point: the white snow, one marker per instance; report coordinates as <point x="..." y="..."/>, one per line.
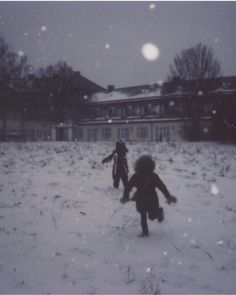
<point x="116" y="95"/>
<point x="63" y="229"/>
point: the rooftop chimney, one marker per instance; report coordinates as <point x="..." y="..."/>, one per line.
<point x="110" y="88"/>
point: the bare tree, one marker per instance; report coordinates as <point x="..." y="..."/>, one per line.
<point x="56" y="82"/>
<point x="194" y="64"/>
<point x="194" y="71"/>
<point x="12" y="68"/>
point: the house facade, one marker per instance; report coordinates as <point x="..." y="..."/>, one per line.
<point x="145" y="114"/>
<point x="136" y="114"/>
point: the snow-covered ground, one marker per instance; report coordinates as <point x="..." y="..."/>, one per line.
<point x="63" y="229"/>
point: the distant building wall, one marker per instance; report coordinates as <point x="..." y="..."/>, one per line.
<point x="169" y="130"/>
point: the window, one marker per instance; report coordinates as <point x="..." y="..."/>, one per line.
<point x="123" y="133"/>
<point x="136" y="110"/>
<point x="125" y="112"/>
<point x="162" y="109"/>
<point x="38" y="133"/>
<point x="163" y="133"/>
<point x="92" y="134"/>
<point x="142" y="132"/>
<point x="78" y="133"/>
<point x="106" y="133"/>
<point x="46" y="134"/>
<point x="156" y="110"/>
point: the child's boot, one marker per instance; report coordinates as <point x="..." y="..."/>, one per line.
<point x="145" y="233"/>
<point x="160" y="214"/>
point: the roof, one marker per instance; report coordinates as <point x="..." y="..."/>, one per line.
<point x="133" y="92"/>
<point x="222" y="85"/>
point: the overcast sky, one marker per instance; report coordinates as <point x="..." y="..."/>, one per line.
<point x="103" y="40"/>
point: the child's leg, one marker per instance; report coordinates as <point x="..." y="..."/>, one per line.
<point x="124" y="178"/>
<point x="144" y="224"/>
<point x="116" y="181"/>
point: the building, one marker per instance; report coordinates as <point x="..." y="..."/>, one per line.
<point x="144" y="113"/>
<point x="139" y="113"/>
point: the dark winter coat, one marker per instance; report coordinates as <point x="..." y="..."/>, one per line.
<point x="146" y="197"/>
<point x="120" y="165"/>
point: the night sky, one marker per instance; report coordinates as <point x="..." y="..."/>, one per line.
<point x="104" y="40"/>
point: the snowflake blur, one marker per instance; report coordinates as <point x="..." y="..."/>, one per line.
<point x="214" y="189"/>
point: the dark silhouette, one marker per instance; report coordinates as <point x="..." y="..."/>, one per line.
<point x="146" y="198"/>
<point x="13" y="68"/>
<point x="193" y="71"/>
<point x="120" y="166"/>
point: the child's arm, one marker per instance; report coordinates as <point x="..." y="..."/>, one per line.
<point x="108" y="159"/>
<point x="161" y="186"/>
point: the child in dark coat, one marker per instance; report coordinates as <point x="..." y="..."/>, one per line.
<point x="146" y="182"/>
<point x="120" y="165"/>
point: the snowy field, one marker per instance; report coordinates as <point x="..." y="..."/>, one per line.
<point x="63" y="229"/>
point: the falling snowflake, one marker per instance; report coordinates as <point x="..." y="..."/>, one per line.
<point x="85" y="96"/>
<point x="152" y="6"/>
<point x="109" y="121"/>
<point x="25" y="34"/>
<point x="148" y="269"/>
<point x="44" y="28"/>
<point x="221" y="242"/>
<point x="214" y="189"/>
<point x="185" y="235"/>
<point x="205" y="130"/>
<point x="165" y="253"/>
<point x="200" y="93"/>
<point x="150" y="51"/>
<point x="192" y="241"/>
<point x="171" y="103"/>
<point x="107" y="46"/>
<point x="190" y="219"/>
<point x="214" y="112"/>
<point x="160" y="82"/>
<point x="216" y="40"/>
<point x="21" y="53"/>
<point x="179" y="262"/>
